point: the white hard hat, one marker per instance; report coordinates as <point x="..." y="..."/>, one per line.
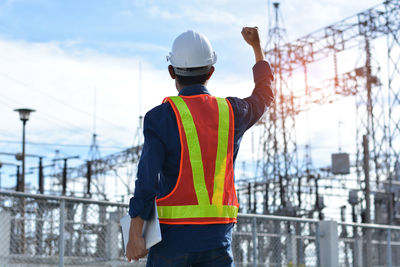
<point x="191" y="50"/>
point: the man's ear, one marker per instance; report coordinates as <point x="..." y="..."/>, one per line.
<point x="171" y="72"/>
<point x="210" y="73"/>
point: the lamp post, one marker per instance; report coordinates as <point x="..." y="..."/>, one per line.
<point x="24" y="117"/>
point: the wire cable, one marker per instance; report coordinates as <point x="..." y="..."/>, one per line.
<point x="62" y="102"/>
<point x="58" y="144"/>
<point x="73" y="129"/>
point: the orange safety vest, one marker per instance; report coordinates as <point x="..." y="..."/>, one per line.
<point x="205" y="191"/>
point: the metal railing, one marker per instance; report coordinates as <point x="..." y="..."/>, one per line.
<point x="367" y="245"/>
<point x="42" y="230"/>
<point x="268" y="240"/>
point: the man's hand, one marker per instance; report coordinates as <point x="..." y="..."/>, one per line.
<point x="136" y="247"/>
<point x="250" y="35"/>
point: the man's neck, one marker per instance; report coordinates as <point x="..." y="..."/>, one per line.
<point x="179" y="86"/>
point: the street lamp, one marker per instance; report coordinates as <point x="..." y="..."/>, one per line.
<point x="24" y="117"/>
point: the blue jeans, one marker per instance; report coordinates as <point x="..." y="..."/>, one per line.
<point x="219" y="257"/>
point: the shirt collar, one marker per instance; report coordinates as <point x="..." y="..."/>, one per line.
<point x="196" y="89"/>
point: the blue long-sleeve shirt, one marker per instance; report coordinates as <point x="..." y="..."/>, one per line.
<point x="159" y="163"/>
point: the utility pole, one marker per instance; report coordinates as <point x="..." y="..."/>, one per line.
<point x="41" y="176"/>
<point x="266" y="196"/>
<point x="18" y="175"/>
<point x="249" y="197"/>
<point x="367" y="202"/>
<point x="64" y="177"/>
<point x="367" y="183"/>
<point x="88" y="177"/>
<point x="319" y="205"/>
<point x="20" y="185"/>
<point x="65" y="172"/>
<point x="40" y="211"/>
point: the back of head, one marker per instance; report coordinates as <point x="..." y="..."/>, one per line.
<point x="192" y="57"/>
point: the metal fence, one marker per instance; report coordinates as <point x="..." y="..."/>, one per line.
<point x="368" y="245"/>
<point x="39" y="230"/>
<point x="263" y="240"/>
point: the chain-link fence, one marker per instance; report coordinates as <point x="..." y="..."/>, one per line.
<point x="368" y="245"/>
<point x="260" y="240"/>
<point x="37" y="230"/>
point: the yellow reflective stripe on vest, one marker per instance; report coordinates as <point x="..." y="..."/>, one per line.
<point x="220" y="162"/>
<point x="195" y="211"/>
<point x="194" y="151"/>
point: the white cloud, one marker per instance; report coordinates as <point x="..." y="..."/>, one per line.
<point x="161" y="13"/>
<point x="195" y="13"/>
<point x="137" y="46"/>
<point x="60" y="85"/>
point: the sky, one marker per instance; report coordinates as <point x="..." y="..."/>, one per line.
<point x="95" y="66"/>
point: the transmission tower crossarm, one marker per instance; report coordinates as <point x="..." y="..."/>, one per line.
<point x="110" y="162"/>
<point x="345" y="34"/>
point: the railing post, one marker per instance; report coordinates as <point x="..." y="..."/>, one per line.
<point x="357" y="248"/>
<point x="254" y="234"/>
<point x="389" y="249"/>
<point x="317" y="244"/>
<point x="5" y="233"/>
<point x="112" y="230"/>
<point x="329" y="246"/>
<point x="291" y="247"/>
<point x="62" y="233"/>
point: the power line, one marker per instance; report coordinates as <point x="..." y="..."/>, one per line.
<point x="57" y="144"/>
<point x="61" y="101"/>
<point x="52" y="119"/>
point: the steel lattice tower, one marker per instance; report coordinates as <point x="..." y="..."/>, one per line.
<point x="376" y="93"/>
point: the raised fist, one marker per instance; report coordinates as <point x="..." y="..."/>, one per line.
<point x="250" y="35"/>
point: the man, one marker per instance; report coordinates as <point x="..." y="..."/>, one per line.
<point x="190" y="144"/>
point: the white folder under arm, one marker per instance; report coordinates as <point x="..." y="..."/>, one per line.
<point x="151" y="229"/>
